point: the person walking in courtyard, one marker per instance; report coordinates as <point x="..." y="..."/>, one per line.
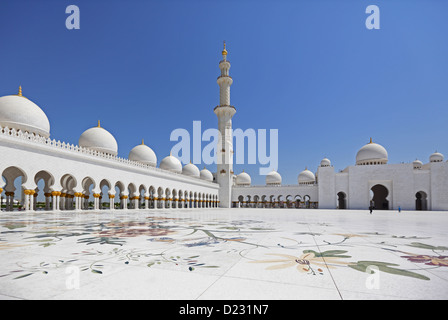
<point x="399" y="209"/>
<point x="371" y="209"/>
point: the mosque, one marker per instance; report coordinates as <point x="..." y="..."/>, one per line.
<point x="90" y="175"/>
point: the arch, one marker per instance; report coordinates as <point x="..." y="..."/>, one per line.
<point x="160" y="196"/>
<point x="87" y="184"/>
<point x="342" y="200"/>
<point x="240" y="201"/>
<point x="14" y="177"/>
<point x="141" y="196"/>
<point x="289" y="202"/>
<point x="307" y="201"/>
<point x="421" y="201"/>
<point x="297" y="201"/>
<point x="174" y="198"/>
<point x="120" y="190"/>
<point x="132" y="196"/>
<point x="105" y="187"/>
<point x="379" y="200"/>
<point x="168" y="197"/>
<point x="68" y="185"/>
<point x="256" y="201"/>
<point x="281" y="202"/>
<point x="44" y="181"/>
<point x="152" y="193"/>
<point x="190" y="199"/>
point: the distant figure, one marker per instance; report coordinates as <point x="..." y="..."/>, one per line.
<point x="399" y="209"/>
<point x="371" y="209"/>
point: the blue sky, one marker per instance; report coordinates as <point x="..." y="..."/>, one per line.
<point x="310" y="69"/>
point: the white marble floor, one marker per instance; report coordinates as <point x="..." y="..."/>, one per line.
<point x="224" y="254"/>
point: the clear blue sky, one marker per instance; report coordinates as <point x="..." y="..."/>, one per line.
<point x="308" y="68"/>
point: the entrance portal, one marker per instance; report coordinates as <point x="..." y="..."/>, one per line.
<point x="342" y="201"/>
<point x="421" y="202"/>
<point x="379" y="200"/>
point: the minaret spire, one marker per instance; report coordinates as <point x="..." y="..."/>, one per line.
<point x="224" y="51"/>
<point x="224" y="153"/>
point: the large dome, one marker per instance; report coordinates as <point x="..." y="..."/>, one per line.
<point x="436" y="157"/>
<point x="191" y="170"/>
<point x="206" y="175"/>
<point x="306" y="177"/>
<point x="273" y="178"/>
<point x="18" y="112"/>
<point x="325" y="162"/>
<point x="143" y="154"/>
<point x="99" y="139"/>
<point x="172" y="164"/>
<point x="371" y="153"/>
<point x="243" y="179"/>
<point x="417" y="164"/>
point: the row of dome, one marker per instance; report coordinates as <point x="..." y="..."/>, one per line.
<point x="16" y="111"/>
<point x="20" y="113"/>
<point x="274" y="178"/>
<point x="99" y="139"/>
<point x="371" y="153"/>
<point x="374" y="153"/>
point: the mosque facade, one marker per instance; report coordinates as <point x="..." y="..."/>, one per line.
<point x="90" y="175"/>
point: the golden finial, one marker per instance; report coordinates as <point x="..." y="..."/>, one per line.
<point x="20" y="91"/>
<point x="143" y="141"/>
<point x="99" y="124"/>
<point x="224" y="51"/>
<point x="371" y="140"/>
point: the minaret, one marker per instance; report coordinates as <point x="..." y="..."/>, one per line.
<point x="224" y="152"/>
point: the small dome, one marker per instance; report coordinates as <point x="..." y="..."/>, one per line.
<point x="143" y="154"/>
<point x="371" y="153"/>
<point x="99" y="139"/>
<point x="417" y="164"/>
<point x="191" y="170"/>
<point x="243" y="179"/>
<point x="436" y="157"/>
<point x="306" y="177"/>
<point x="172" y="164"/>
<point x="19" y="113"/>
<point x="273" y="178"/>
<point x="206" y="175"/>
<point x="325" y="163"/>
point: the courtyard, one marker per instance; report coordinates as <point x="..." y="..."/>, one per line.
<point x="224" y="254"/>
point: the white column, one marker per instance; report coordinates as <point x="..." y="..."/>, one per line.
<point x="27" y="200"/>
<point x="111" y="202"/>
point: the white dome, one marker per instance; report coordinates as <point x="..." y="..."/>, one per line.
<point x="306" y="177"/>
<point x="18" y="112"/>
<point x="273" y="178"/>
<point x="206" y="175"/>
<point x="172" y="164"/>
<point x="325" y="163"/>
<point x="243" y="179"/>
<point x="436" y="157"/>
<point x="417" y="164"/>
<point x="371" y="153"/>
<point x="191" y="170"/>
<point x="99" y="139"/>
<point x="143" y="154"/>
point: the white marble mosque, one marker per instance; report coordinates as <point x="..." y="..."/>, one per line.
<point x="90" y="175"/>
